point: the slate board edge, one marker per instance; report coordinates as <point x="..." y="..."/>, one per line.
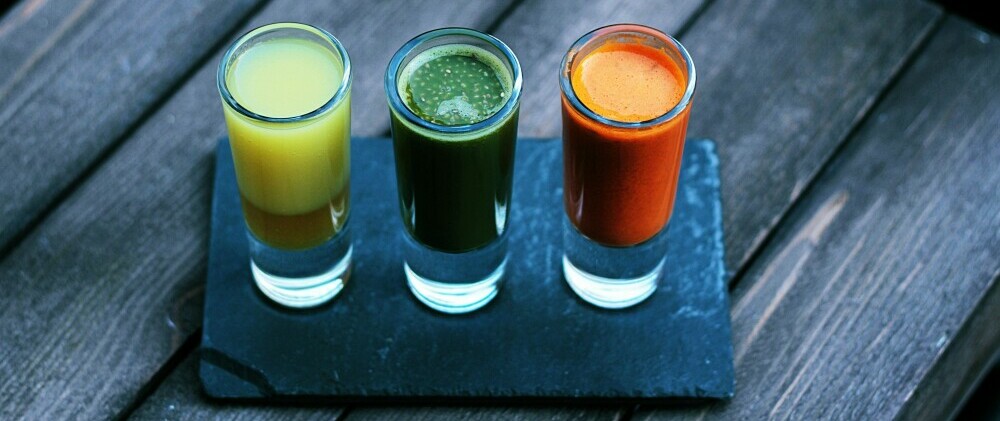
<point x="218" y="381"/>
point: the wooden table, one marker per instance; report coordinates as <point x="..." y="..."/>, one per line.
<point x="860" y="146"/>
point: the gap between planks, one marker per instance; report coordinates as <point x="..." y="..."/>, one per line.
<point x="865" y="115"/>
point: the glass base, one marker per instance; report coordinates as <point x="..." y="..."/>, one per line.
<point x="608" y="292"/>
<point x="612" y="277"/>
<point x="455" y="283"/>
<point x="302" y="278"/>
<point x="454" y="298"/>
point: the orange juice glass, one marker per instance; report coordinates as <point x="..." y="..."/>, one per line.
<point x="626" y="98"/>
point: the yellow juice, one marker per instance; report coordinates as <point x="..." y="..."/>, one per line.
<point x="293" y="176"/>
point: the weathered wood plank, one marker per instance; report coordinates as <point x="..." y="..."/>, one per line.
<point x="888" y="272"/>
<point x="960" y="369"/>
<point x="97" y="298"/>
<point x="780" y="86"/>
<point x="76" y="75"/>
<point x="28" y="26"/>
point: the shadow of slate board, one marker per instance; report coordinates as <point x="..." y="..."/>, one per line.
<point x="535" y="342"/>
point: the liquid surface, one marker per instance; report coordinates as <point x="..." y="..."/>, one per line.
<point x="285" y="77"/>
<point x="628" y="82"/>
<point x="454" y="85"/>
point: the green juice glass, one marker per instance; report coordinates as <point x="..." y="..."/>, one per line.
<point x="286" y="96"/>
<point x="453" y="98"/>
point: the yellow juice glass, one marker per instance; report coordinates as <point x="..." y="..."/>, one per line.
<point x="286" y="95"/>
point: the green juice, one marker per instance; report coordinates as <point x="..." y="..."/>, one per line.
<point x="454" y="188"/>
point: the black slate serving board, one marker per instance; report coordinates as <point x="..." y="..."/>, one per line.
<point x="535" y="342"/>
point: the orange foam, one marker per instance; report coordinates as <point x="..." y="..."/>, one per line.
<point x="628" y="82"/>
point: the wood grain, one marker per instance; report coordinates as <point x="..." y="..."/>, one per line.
<point x="959" y="371"/>
<point x="30" y="29"/>
<point x="780" y="85"/>
<point x="98" y="297"/>
<point x="888" y="272"/>
<point x="76" y="75"/>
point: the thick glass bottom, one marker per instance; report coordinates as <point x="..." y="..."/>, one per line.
<point x="302" y="278"/>
<point x="612" y="293"/>
<point x="455" y="283"/>
<point x="612" y="277"/>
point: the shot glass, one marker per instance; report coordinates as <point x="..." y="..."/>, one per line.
<point x="453" y="98"/>
<point x="286" y="96"/>
<point x="626" y="97"/>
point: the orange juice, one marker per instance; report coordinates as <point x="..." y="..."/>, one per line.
<point x="621" y="174"/>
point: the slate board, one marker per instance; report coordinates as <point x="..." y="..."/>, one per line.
<point x="535" y="342"/>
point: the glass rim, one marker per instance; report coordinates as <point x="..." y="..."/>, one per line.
<point x="566" y="85"/>
<point x="335" y="99"/>
<point x="396" y="102"/>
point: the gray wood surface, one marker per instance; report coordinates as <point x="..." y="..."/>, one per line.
<point x="104" y="292"/>
<point x="30" y="30"/>
<point x="780" y="86"/>
<point x="890" y="267"/>
<point x="77" y="75"/>
<point x="30" y="24"/>
<point x="960" y="370"/>
<point x="106" y="289"/>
